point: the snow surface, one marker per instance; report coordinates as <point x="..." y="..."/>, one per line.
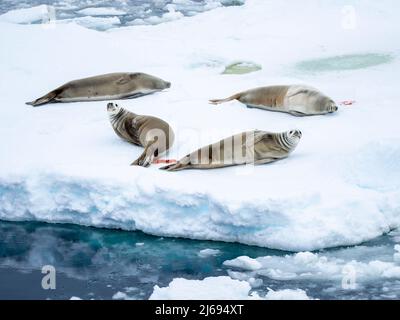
<point x="220" y="288"/>
<point x="26" y="16"/>
<point x="63" y="162"/>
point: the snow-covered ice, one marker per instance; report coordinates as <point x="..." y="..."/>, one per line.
<point x="26" y="16"/>
<point x="63" y="162"/>
<point x="121" y="296"/>
<point x="307" y="265"/>
<point x="287" y="294"/>
<point x="220" y="288"/>
<point x="208" y="253"/>
<point x="170" y="15"/>
<point x="212" y="288"/>
<point x="99" y="23"/>
<point x="244" y="262"/>
<point x="102" y="11"/>
<point x="358" y="266"/>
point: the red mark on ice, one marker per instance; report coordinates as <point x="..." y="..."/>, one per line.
<point x="167" y="161"/>
<point x="347" y="103"/>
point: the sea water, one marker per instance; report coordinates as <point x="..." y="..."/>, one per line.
<point x="94" y="263"/>
<point x="128" y="12"/>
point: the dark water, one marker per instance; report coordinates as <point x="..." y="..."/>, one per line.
<point x="97" y="263"/>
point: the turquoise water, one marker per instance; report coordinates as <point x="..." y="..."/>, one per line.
<point x="344" y="62"/>
<point x="97" y="263"/>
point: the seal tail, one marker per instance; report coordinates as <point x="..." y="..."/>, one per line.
<point x="43" y="100"/>
<point x="218" y="101"/>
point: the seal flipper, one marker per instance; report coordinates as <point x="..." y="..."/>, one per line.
<point x="143" y="161"/>
<point x="297" y="113"/>
<point x="174" y="167"/>
<point x="146" y="158"/>
<point x="45" y="99"/>
<point x="182" y="164"/>
<point x="264" y="161"/>
<point x="218" y="101"/>
<point x="140" y="161"/>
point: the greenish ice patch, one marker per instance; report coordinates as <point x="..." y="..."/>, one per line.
<point x="241" y="67"/>
<point x="344" y="62"/>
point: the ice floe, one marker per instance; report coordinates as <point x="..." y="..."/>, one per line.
<point x="220" y="288"/>
<point x="212" y="288"/>
<point x="102" y="11"/>
<point x="63" y="163"/>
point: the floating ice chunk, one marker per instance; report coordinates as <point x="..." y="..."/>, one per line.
<point x="305" y="258"/>
<point x="26" y="16"/>
<point x="208" y="252"/>
<point x="211" y="4"/>
<point x="307" y="265"/>
<point x="213" y="288"/>
<point x="102" y="11"/>
<point x="121" y="296"/>
<point x="244" y="262"/>
<point x="139" y="244"/>
<point x="287" y="294"/>
<point x="392" y="273"/>
<point x="246" y="276"/>
<point x="75" y="298"/>
<point x="171" y="15"/>
<point x="98" y="23"/>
